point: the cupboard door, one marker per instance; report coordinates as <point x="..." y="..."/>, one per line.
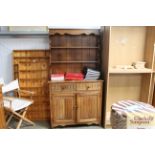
<point x="62" y="109"/>
<point x="88" y="107"/>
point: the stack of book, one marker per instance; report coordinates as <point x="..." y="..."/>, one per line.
<point x="74" y="76"/>
<point x="91" y="74"/>
<point x="57" y="77"/>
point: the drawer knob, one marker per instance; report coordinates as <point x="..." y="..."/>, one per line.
<point x="63" y="87"/>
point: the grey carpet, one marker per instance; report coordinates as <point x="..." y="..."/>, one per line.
<point x="46" y="125"/>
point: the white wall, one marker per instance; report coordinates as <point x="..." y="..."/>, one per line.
<point x="8" y="44"/>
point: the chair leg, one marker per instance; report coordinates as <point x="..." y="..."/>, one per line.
<point x="9" y="119"/>
<point x="19" y="124"/>
<point x="20" y="121"/>
<point x="22" y="117"/>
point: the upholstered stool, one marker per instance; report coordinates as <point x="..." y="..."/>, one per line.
<point x="132" y="114"/>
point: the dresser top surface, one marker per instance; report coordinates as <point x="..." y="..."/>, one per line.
<point x="74" y="31"/>
<point x="76" y="81"/>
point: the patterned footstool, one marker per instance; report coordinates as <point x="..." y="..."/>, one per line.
<point x="128" y="114"/>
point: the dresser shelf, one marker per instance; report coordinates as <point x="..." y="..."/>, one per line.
<point x="71" y="62"/>
<point x="74" y="47"/>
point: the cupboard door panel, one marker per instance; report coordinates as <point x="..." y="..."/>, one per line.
<point x="88" y="107"/>
<point x="62" y="107"/>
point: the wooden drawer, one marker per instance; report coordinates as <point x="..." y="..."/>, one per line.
<point x="63" y="87"/>
<point x="89" y="86"/>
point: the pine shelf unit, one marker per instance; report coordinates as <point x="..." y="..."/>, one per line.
<point x="79" y="101"/>
<point x="31" y="67"/>
<point x="123" y="46"/>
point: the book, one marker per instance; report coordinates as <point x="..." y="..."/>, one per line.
<point x="91" y="74"/>
<point x="57" y="77"/>
<point x="74" y="76"/>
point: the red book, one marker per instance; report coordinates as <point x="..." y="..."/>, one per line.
<point x="74" y="76"/>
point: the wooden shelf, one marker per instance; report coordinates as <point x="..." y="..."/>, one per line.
<point x="74" y="47"/>
<point x="32" y="79"/>
<point x="61" y="62"/>
<point x="31" y="87"/>
<point x="24" y="57"/>
<point x="130" y="71"/>
<point x="39" y="70"/>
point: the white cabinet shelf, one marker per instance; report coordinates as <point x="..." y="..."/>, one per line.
<point x="130" y="71"/>
<point x="123" y="46"/>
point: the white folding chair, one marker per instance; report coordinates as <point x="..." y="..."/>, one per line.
<point x="16" y="106"/>
<point x="1" y="81"/>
